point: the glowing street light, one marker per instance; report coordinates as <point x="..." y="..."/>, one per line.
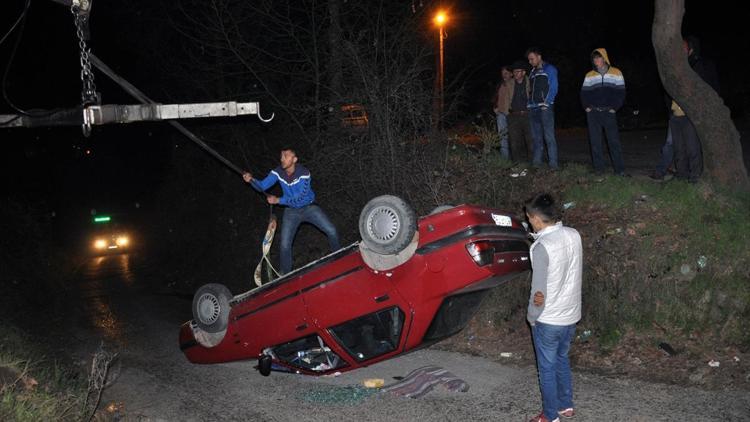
<point x="441" y="18"/>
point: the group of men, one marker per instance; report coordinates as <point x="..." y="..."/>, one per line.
<point x="524" y="109"/>
<point x="524" y="106"/>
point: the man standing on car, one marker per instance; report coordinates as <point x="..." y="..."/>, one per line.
<point x="543" y="80"/>
<point x="554" y="303"/>
<point x="299" y="199"/>
<point x="602" y="94"/>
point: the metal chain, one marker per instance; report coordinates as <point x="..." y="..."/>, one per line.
<point x="88" y="93"/>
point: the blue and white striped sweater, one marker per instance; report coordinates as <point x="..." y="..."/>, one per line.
<point x="297" y="190"/>
<point x="603" y="90"/>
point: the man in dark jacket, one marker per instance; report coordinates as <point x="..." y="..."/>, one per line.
<point x="519" y="130"/>
<point x="541" y="106"/>
<point x="602" y="94"/>
<point x="688" y="156"/>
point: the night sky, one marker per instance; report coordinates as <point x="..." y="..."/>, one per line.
<point x="126" y="162"/>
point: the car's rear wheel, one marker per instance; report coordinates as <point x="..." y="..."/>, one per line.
<point x="211" y="307"/>
<point x="387" y="224"/>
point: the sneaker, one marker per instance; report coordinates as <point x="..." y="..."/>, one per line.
<point x="567" y="413"/>
<point x="541" y="418"/>
<point x="623" y="174"/>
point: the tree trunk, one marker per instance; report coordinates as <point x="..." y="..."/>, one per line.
<point x="722" y="151"/>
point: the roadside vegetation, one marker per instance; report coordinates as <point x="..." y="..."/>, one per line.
<point x="34" y="386"/>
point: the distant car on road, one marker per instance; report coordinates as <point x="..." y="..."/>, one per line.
<point x="407" y="284"/>
<point x="109" y="237"/>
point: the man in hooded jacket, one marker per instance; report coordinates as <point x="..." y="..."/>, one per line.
<point x="602" y="94"/>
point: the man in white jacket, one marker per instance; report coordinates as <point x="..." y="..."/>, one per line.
<point x="554" y="303"/>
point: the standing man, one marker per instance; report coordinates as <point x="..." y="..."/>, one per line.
<point x="519" y="131"/>
<point x="688" y="156"/>
<point x="602" y="94"/>
<point x="554" y="303"/>
<point x="502" y="104"/>
<point x="299" y="198"/>
<point x="543" y="80"/>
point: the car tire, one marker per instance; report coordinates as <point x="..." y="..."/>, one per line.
<point x="441" y="208"/>
<point x="211" y="307"/>
<point x="387" y="224"/>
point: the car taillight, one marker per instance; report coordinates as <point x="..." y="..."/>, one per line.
<point x="481" y="252"/>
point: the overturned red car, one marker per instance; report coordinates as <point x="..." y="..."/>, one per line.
<point x="407" y="284"/>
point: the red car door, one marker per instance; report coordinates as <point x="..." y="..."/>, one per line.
<point x="361" y="314"/>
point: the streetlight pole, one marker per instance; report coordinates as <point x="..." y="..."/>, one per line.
<point x="440" y="19"/>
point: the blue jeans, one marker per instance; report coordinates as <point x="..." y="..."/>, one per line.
<point x="598" y="120"/>
<point x="502" y="131"/>
<point x="552" y="343"/>
<point x="667" y="155"/>
<point x="543" y="131"/>
<point x="293" y="217"/>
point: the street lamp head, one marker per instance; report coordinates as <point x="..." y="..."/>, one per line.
<point x="441" y="18"/>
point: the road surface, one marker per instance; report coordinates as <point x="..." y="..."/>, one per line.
<point x="113" y="300"/>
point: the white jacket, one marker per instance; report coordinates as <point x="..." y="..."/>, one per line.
<point x="562" y="304"/>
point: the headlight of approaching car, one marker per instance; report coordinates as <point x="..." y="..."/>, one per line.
<point x="122" y="241"/>
<point x="100" y="244"/>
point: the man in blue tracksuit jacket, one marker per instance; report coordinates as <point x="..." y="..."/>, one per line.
<point x="299" y="199"/>
<point x="543" y="80"/>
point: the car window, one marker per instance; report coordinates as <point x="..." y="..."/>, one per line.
<point x="310" y="353"/>
<point x="371" y="335"/>
<point x="454" y="313"/>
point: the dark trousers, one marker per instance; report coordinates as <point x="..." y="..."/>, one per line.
<point x="604" y="121"/>
<point x="519" y="136"/>
<point x="688" y="157"/>
<point x="293" y="217"/>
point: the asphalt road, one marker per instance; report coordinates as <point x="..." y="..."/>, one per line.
<point x="113" y="300"/>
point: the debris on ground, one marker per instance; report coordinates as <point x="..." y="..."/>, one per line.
<point x="374" y="382"/>
<point x="667" y="349"/>
<point x="714" y="363"/>
<point x="330" y="394"/>
<point x="423" y="380"/>
<point x="584" y="336"/>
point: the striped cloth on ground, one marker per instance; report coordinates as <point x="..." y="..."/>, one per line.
<point x="423" y="380"/>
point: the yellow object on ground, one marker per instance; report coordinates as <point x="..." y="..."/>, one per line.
<point x="374" y="382"/>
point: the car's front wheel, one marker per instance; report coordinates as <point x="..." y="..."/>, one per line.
<point x="211" y="307"/>
<point x="387" y="224"/>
